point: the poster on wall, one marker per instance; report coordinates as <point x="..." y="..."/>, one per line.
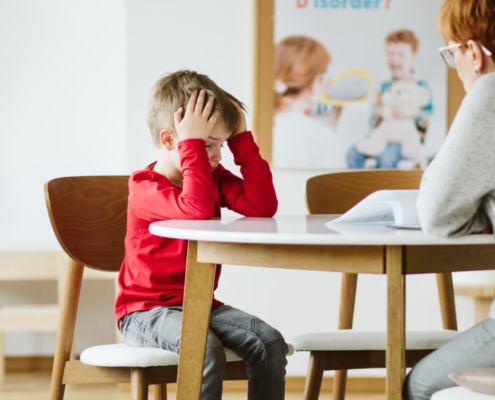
<point x="358" y="84"/>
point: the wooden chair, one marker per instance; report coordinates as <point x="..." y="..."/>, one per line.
<point x="88" y="216"/>
<point x="335" y="194"/>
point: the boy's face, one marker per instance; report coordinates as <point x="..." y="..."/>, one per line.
<point x="214" y="143"/>
<point x="218" y="135"/>
<point x="400" y="59"/>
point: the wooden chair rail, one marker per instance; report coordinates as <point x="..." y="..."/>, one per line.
<point x="77" y="373"/>
<point x="344" y="360"/>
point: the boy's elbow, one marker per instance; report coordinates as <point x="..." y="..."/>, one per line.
<point x="272" y="209"/>
<point x="206" y="212"/>
<point x="264" y="211"/>
<point x="202" y="215"/>
<point x="201" y="210"/>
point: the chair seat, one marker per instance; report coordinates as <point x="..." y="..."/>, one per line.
<point x="354" y="340"/>
<point x="121" y="355"/>
<point x="460" y="393"/>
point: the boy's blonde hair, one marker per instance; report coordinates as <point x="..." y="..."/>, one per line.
<point x="463" y="20"/>
<point x="173" y="91"/>
<point x="404" y="36"/>
<point x="298" y="61"/>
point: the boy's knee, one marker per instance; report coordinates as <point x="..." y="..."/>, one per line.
<point x="354" y="158"/>
<point x="390" y="157"/>
<point x="270" y="341"/>
<point x="266" y="333"/>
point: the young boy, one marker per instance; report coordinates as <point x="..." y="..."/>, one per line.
<point x="190" y="118"/>
<point x="401" y="54"/>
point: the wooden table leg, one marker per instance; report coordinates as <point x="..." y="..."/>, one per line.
<point x="396" y="322"/>
<point x="198" y="293"/>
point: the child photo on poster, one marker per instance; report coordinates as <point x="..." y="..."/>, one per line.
<point x="357" y="87"/>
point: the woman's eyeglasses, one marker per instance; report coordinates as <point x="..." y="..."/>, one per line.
<point x="448" y="55"/>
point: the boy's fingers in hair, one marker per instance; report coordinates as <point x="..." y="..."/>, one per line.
<point x="208" y="107"/>
<point x="237" y="106"/>
<point x="178" y="116"/>
<point x="200" y="102"/>
<point x="213" y="118"/>
<point x="192" y="102"/>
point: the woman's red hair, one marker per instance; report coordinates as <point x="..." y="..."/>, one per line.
<point x="463" y="20"/>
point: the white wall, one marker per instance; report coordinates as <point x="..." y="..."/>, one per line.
<point x="62" y="109"/>
<point x="75" y="78"/>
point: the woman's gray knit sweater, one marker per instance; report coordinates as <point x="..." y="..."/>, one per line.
<point x="457" y="192"/>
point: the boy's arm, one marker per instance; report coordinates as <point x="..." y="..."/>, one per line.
<point x="253" y="196"/>
<point x="376" y="101"/>
<point x="427" y="111"/>
<point x="155" y="199"/>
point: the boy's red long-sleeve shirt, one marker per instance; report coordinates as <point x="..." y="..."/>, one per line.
<point x="153" y="271"/>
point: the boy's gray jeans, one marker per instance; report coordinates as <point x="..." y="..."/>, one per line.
<point x="474" y="348"/>
<point x="262" y="347"/>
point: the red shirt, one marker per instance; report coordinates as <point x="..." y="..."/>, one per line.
<point x="153" y="271"/>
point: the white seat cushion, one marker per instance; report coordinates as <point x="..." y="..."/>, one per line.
<point x="460" y="393"/>
<point x="353" y="340"/>
<point x="121" y="355"/>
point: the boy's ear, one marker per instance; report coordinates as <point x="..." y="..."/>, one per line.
<point x="167" y="139"/>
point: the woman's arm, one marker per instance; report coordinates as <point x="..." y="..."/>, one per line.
<point x="455" y="188"/>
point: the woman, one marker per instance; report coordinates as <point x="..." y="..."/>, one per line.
<point x="300" y="141"/>
<point x="457" y="193"/>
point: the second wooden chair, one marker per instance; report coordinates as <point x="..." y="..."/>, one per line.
<point x="335" y="194"/>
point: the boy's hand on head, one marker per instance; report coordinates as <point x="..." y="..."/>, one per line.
<point x="241" y="125"/>
<point x="197" y="122"/>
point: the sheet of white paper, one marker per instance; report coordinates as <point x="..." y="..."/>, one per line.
<point x="408" y="214"/>
<point x="397" y="206"/>
<point x="373" y="208"/>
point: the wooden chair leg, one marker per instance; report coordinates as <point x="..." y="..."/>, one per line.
<point x="2" y="360"/>
<point x="346" y="316"/>
<point x="481" y="309"/>
<point x="447" y="301"/>
<point x="339" y="385"/>
<point x="160" y="392"/>
<point x="315" y="375"/>
<point x="139" y="384"/>
<point x="66" y="325"/>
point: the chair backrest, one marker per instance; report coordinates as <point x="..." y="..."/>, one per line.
<point x="89" y="216"/>
<point x="338" y="192"/>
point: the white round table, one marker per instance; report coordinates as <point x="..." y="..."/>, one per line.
<point x="305" y="242"/>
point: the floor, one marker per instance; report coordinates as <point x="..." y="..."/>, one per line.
<point x="36" y="386"/>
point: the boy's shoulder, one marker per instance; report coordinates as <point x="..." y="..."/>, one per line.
<point x="147" y="175"/>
